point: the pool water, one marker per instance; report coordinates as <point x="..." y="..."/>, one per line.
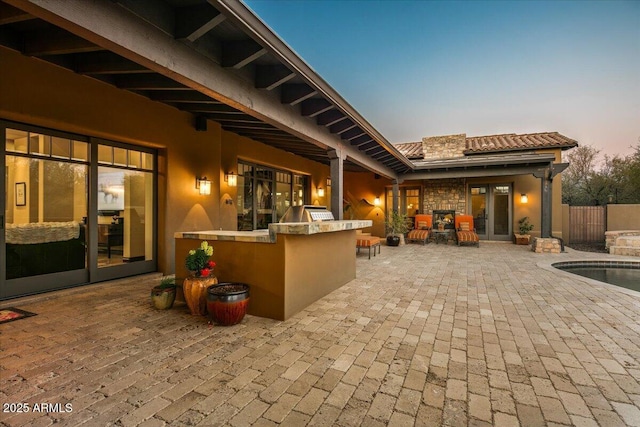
<point x="619" y="273"/>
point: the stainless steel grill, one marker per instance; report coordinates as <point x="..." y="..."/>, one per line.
<point x="307" y="213"/>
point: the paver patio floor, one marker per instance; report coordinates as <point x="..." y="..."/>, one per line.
<point x="426" y="335"/>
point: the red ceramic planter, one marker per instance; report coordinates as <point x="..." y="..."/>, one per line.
<point x="227" y="302"/>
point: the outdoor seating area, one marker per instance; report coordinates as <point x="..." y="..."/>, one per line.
<point x="426" y="336"/>
<point x="367" y="242"/>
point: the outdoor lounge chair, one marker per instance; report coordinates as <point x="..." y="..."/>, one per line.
<point x="422" y="229"/>
<point x="465" y="230"/>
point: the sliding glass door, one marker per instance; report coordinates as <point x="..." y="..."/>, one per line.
<point x="71" y="207"/>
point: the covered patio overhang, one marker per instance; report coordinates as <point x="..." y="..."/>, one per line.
<point x="215" y="59"/>
<point x="540" y="165"/>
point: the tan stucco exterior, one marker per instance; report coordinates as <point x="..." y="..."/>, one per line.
<point x="285" y="276"/>
<point x="38" y="93"/>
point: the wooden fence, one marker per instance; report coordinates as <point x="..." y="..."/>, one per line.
<point x="587" y="224"/>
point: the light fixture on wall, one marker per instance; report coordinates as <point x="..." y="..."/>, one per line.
<point x="203" y="185"/>
<point x="524" y="198"/>
<point x="376" y="201"/>
<point x="231" y="179"/>
<point x="320" y="192"/>
<point x="329" y="181"/>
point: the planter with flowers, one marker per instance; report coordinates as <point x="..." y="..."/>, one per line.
<point x="201" y="267"/>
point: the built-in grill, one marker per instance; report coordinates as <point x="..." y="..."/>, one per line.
<point x="307" y="213"/>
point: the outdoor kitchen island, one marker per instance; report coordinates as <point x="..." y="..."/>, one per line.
<point x="288" y="266"/>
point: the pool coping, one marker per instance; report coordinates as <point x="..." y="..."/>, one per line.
<point x="549" y="266"/>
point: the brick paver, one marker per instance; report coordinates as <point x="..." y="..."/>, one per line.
<point x="426" y="335"/>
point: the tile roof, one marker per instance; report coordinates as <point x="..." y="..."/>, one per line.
<point x="498" y="143"/>
<point x="513" y="142"/>
<point x="411" y="150"/>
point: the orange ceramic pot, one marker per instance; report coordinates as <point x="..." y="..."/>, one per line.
<point x="195" y="293"/>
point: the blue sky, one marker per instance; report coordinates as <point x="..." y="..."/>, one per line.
<point x="423" y="68"/>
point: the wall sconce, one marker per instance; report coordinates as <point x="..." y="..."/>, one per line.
<point x="320" y="192"/>
<point x="376" y="201"/>
<point x="203" y="185"/>
<point x="328" y="181"/>
<point x="231" y="179"/>
<point x="524" y="198"/>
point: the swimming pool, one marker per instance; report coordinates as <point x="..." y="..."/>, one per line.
<point x="620" y="273"/>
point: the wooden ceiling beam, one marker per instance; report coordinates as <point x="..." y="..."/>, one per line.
<point x="329" y="117"/>
<point x="293" y="94"/>
<point x="270" y="76"/>
<point x="147" y="82"/>
<point x="352" y="133"/>
<point x="238" y="53"/>
<point x="55" y="42"/>
<point x="11" y="15"/>
<point x="313" y="106"/>
<point x="105" y="63"/>
<point x="177" y="96"/>
<point x="193" y="22"/>
<point x="342" y="125"/>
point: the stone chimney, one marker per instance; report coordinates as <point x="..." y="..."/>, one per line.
<point x="444" y="147"/>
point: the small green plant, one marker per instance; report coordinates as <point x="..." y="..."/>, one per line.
<point x="396" y="223"/>
<point x="167" y="282"/>
<point x="524" y="225"/>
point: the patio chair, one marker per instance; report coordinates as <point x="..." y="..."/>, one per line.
<point x="422" y="229"/>
<point x="465" y="230"/>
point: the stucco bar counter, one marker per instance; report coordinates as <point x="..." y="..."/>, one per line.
<point x="288" y="267"/>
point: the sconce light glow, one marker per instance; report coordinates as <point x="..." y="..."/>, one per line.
<point x="376" y="201"/>
<point x="320" y="192"/>
<point x="328" y="181"/>
<point x="524" y="198"/>
<point x="231" y="179"/>
<point x="203" y="185"/>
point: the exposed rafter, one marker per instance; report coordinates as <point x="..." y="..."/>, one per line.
<point x="293" y="94"/>
<point x="272" y="75"/>
<point x="238" y="53"/>
<point x="193" y="22"/>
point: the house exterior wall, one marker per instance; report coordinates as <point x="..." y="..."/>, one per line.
<point x="41" y="94"/>
<point x="360" y="191"/>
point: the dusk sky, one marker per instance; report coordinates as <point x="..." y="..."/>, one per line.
<point x="425" y="68"/>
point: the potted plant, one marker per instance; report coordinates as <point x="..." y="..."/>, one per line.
<point x="227" y="303"/>
<point x="524" y="226"/>
<point x="397" y="226"/>
<point x="200" y="266"/>
<point x="163" y="295"/>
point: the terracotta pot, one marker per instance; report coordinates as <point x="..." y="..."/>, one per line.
<point x="163" y="298"/>
<point x="227" y="302"/>
<point x="195" y="293"/>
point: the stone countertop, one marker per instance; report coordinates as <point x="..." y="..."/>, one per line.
<point x="269" y="236"/>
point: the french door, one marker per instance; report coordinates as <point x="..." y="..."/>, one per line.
<point x="491" y="210"/>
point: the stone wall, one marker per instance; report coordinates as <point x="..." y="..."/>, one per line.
<point x="444" y="147"/>
<point x="444" y="194"/>
<point x="546" y="245"/>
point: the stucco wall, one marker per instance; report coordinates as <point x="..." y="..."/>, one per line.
<point x="623" y="217"/>
<point x="41" y="94"/>
<point x="360" y="191"/>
